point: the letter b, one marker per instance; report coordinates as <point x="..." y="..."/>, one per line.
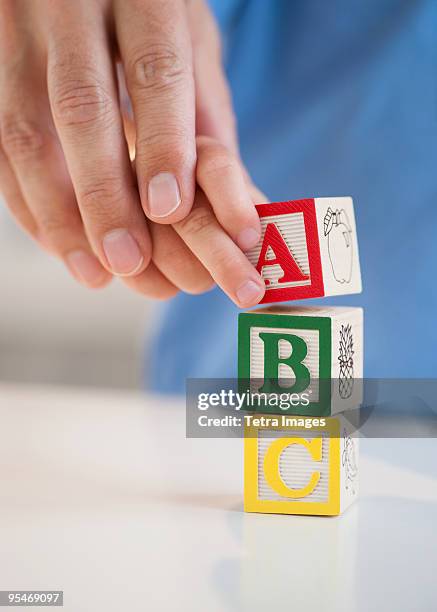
<point x="272" y="361"/>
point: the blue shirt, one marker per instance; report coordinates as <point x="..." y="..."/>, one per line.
<point x="333" y="98"/>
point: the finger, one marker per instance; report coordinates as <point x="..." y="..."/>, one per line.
<point x="226" y="263"/>
<point x="51" y="210"/>
<point x="152" y="283"/>
<point x="177" y="263"/>
<point x="126" y="112"/>
<point x="155" y="47"/>
<point x="258" y="196"/>
<point x="34" y="155"/>
<point x="83" y="97"/>
<point x="214" y="112"/>
<point x="14" y="198"/>
<point x="220" y="176"/>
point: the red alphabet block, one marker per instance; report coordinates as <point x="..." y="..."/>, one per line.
<point x="308" y="249"/>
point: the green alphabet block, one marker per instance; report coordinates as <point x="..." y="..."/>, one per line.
<point x="305" y="361"/>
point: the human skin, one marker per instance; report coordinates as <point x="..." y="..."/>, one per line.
<point x="118" y="148"/>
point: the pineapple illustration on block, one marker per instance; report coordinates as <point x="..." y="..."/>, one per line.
<point x="295" y="465"/>
<point x="313" y="355"/>
<point x="346" y="361"/>
<point x="308" y="249"/>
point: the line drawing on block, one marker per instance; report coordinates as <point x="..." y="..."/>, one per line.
<point x="349" y="462"/>
<point x="338" y="231"/>
<point x="346" y="361"/>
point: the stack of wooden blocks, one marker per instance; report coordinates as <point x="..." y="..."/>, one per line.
<point x="303" y="459"/>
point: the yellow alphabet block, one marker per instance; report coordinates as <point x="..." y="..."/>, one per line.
<point x="300" y="465"/>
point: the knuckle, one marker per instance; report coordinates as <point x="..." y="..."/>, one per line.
<point x="225" y="260"/>
<point x="80" y="101"/>
<point x="171" y="136"/>
<point x="157" y="67"/>
<point x="102" y="195"/>
<point x="168" y="255"/>
<point x="21" y="139"/>
<point x="198" y="220"/>
<point x="215" y="160"/>
<point x="160" y="148"/>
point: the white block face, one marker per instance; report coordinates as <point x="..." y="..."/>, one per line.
<point x="338" y="245"/>
<point x="286" y="374"/>
<point x="295" y="467"/>
<point x="349" y="465"/>
<point x="292" y="229"/>
<point x="347" y="360"/>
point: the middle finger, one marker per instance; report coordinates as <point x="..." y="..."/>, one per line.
<point x="84" y="102"/>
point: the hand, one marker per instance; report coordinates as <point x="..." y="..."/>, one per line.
<point x="65" y="168"/>
<point x="196" y="253"/>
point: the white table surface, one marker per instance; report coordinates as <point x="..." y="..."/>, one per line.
<point x="103" y="497"/>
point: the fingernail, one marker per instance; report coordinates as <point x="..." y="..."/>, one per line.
<point x="85" y="267"/>
<point x="123" y="253"/>
<point x="250" y="293"/>
<point x="163" y="195"/>
<point x="248" y="238"/>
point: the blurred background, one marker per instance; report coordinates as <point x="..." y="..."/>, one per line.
<point x="52" y="330"/>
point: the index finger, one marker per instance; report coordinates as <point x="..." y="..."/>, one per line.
<point x="226" y="263"/>
<point x="155" y="48"/>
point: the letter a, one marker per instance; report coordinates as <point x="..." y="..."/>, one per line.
<point x="283" y="257"/>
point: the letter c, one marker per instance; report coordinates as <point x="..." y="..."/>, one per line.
<point x="271" y="466"/>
